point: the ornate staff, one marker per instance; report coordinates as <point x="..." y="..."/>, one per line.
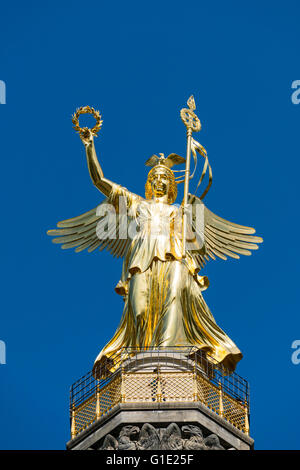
<point x="192" y="123"/>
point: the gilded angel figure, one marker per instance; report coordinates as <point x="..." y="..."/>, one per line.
<point x="161" y="287"/>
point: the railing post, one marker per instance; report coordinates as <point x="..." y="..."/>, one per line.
<point x="73" y="423"/>
<point x="98" y="410"/>
<point x="159" y="391"/>
<point x="195" y="391"/>
<point x="221" y="407"/>
<point x="123" y="391"/>
<point x="247" y="427"/>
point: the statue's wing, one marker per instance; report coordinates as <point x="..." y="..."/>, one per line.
<point x="82" y="232"/>
<point x="220" y="237"/>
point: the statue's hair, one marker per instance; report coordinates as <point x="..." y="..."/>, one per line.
<point x="169" y="174"/>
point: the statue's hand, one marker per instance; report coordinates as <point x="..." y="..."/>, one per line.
<point x="86" y="136"/>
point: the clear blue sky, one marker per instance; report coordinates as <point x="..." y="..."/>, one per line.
<point x="138" y="62"/>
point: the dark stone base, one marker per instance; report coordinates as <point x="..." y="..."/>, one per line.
<point x="173" y="437"/>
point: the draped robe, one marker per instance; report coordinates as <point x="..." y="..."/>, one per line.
<point x="162" y="290"/>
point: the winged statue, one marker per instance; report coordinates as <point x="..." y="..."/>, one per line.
<point x="161" y="285"/>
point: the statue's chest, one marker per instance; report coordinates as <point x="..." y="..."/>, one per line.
<point x="156" y="213"/>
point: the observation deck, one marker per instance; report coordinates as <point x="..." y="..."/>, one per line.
<point x="159" y="379"/>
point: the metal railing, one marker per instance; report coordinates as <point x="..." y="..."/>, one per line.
<point x="159" y="375"/>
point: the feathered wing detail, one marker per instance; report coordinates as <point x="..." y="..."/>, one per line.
<point x="171" y="160"/>
<point x="82" y="232"/>
<point x="174" y="159"/>
<point x="152" y="161"/>
<point x="220" y="237"/>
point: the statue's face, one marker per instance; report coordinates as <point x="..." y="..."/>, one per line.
<point x="160" y="185"/>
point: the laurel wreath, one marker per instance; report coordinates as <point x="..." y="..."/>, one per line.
<point x="84" y="131"/>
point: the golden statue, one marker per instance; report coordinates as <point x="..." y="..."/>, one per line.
<point x="164" y="247"/>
